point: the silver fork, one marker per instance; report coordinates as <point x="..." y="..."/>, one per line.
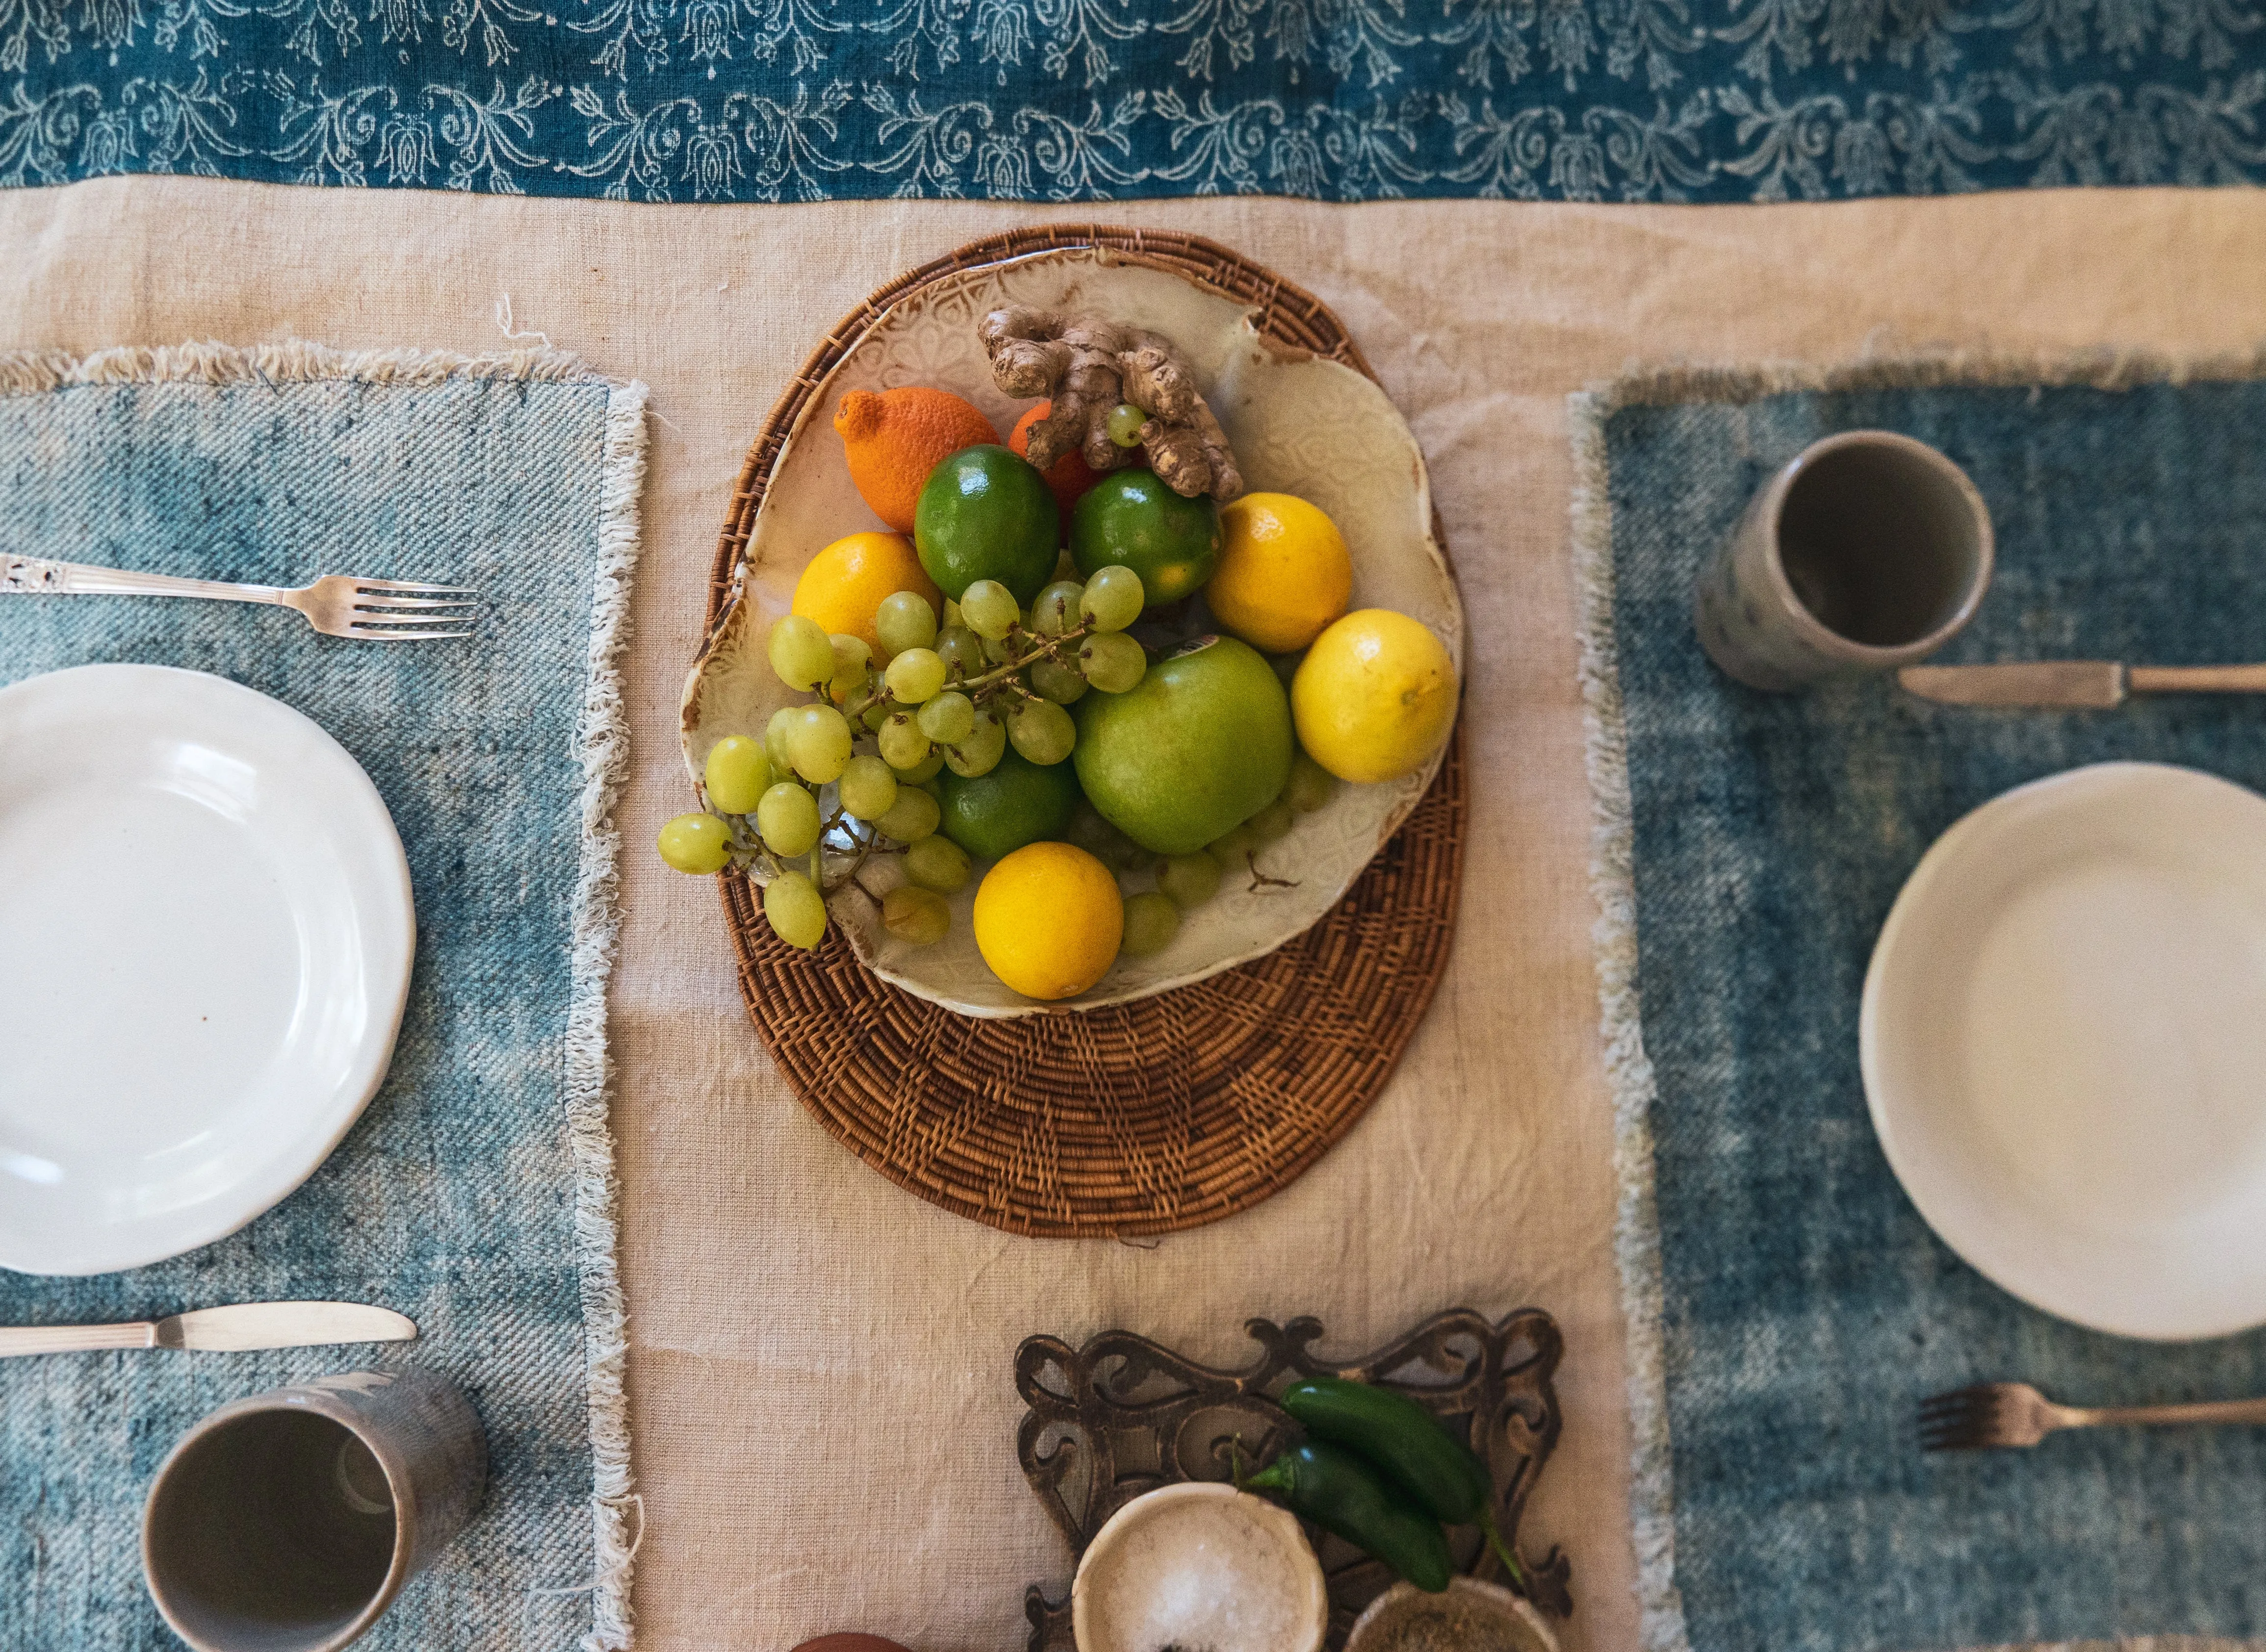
<point x="337" y="605"/>
<point x="2015" y="1414"/>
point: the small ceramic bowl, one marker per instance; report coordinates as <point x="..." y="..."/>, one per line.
<point x="1200" y="1565"/>
<point x="1469" y="1616"/>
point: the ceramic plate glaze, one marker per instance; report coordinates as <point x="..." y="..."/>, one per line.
<point x="2064" y="1043"/>
<point x="205" y="939"/>
<point x="1298" y="425"/>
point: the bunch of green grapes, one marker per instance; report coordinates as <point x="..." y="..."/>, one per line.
<point x="951" y="694"/>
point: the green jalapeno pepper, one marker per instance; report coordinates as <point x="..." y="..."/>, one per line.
<point x="1417" y="1454"/>
<point x="1340" y="1493"/>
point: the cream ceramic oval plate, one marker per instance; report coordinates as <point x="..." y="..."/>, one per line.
<point x="2064" y="1047"/>
<point x="205" y="940"/>
<point x="1299" y="424"/>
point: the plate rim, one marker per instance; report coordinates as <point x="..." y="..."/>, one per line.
<point x="388" y="868"/>
<point x="1948" y="844"/>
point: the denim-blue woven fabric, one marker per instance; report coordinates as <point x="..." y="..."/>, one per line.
<point x="1079" y="100"/>
<point x="1807" y="1306"/>
<point x="452" y="1200"/>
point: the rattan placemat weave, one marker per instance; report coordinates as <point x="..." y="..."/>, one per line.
<point x="1140" y="1118"/>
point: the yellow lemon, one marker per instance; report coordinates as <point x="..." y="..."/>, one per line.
<point x="1049" y="918"/>
<point x="1375" y="696"/>
<point x="1284" y="571"/>
<point x="845" y="582"/>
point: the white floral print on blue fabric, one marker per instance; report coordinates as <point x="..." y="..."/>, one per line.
<point x="1099" y="99"/>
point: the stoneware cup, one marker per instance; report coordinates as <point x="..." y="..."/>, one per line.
<point x="1867" y="551"/>
<point x="288" y="1522"/>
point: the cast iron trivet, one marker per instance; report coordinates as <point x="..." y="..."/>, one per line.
<point x="1124" y="1415"/>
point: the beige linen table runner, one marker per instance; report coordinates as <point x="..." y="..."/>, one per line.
<point x="822" y="1409"/>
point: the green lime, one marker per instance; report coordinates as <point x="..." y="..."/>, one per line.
<point x="985" y="513"/>
<point x="1131" y="519"/>
<point x="1016" y="803"/>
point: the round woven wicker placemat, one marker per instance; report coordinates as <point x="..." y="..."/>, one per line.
<point x="1133" y="1119"/>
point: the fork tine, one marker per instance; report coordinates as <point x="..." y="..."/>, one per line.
<point x="390" y="621"/>
<point x="1959" y="1399"/>
<point x="1961" y="1421"/>
<point x="381" y="601"/>
<point x="413" y="587"/>
<point x="363" y="633"/>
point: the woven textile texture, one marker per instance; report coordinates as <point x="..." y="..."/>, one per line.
<point x="1092" y="100"/>
<point x="475" y="1193"/>
<point x="1789" y="1304"/>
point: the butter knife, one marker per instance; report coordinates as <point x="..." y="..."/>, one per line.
<point x="245" y="1325"/>
<point x="2098" y="685"/>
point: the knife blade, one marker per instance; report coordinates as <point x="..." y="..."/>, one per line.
<point x="235" y="1328"/>
<point x="2096" y="683"/>
<point x="283" y="1325"/>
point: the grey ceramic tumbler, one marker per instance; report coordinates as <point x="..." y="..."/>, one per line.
<point x="288" y="1522"/>
<point x="1867" y="552"/>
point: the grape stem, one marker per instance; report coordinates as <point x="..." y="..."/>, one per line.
<point x="748" y="851"/>
<point x="1259" y="879"/>
<point x="867" y="843"/>
<point x="981" y="688"/>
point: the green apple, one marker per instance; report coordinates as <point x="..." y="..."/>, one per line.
<point x="1200" y="745"/>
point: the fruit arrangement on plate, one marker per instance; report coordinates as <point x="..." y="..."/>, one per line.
<point x="1081" y="719"/>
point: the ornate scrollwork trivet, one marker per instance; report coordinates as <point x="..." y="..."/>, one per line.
<point x="1124" y="1415"/>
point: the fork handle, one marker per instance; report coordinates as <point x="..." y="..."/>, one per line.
<point x="38" y="577"/>
<point x="2203" y="1411"/>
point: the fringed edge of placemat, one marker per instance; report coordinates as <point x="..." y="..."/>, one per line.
<point x="604" y="738"/>
<point x="1629" y="1074"/>
<point x="33" y="372"/>
<point x="1628" y="1070"/>
<point x="2103" y="369"/>
<point x="602" y="748"/>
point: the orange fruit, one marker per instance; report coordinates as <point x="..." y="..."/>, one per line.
<point x="1284" y="571"/>
<point x="1049" y="920"/>
<point x="1068" y="477"/>
<point x="846" y="581"/>
<point x="894" y="440"/>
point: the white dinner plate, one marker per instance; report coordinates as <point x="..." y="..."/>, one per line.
<point x="2064" y="1043"/>
<point x="205" y="940"/>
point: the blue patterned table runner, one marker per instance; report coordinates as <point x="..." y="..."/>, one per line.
<point x="1104" y="100"/>
<point x="1804" y="1306"/>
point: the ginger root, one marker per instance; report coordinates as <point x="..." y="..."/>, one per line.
<point x="1089" y="365"/>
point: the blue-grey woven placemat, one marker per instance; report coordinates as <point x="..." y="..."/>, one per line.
<point x="475" y="1194"/>
<point x="1788" y="1307"/>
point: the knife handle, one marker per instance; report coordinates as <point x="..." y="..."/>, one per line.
<point x="74" y="1338"/>
<point x="2197" y="679"/>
